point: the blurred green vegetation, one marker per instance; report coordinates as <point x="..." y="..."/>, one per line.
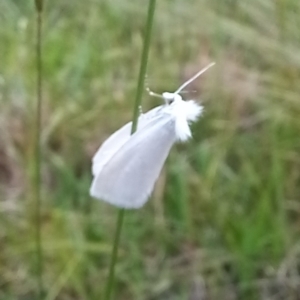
<point x="224" y="219"/>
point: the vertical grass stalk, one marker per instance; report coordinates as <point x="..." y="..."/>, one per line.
<point x="37" y="152"/>
<point x="137" y="103"/>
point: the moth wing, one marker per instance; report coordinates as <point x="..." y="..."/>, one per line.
<point x="118" y="139"/>
<point x="128" y="178"/>
<point x="110" y="147"/>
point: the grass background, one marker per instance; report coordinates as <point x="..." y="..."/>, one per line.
<point x="224" y="219"/>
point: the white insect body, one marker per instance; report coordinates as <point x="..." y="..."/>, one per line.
<point x="126" y="167"/>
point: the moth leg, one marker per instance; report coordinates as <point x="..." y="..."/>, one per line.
<point x="140" y="109"/>
<point x="149" y="91"/>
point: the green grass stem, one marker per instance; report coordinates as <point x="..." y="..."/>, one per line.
<point x="138" y="101"/>
<point x="37" y="152"/>
<point x="110" y="280"/>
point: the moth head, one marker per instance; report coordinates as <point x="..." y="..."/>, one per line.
<point x="171" y="97"/>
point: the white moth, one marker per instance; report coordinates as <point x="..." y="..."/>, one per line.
<point x="126" y="167"/>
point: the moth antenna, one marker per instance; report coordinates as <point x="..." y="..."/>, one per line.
<point x="189" y="92"/>
<point x="194" y="77"/>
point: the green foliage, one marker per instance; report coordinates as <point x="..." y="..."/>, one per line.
<point x="223" y="222"/>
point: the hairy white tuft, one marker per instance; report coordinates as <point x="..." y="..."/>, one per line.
<point x="184" y="112"/>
